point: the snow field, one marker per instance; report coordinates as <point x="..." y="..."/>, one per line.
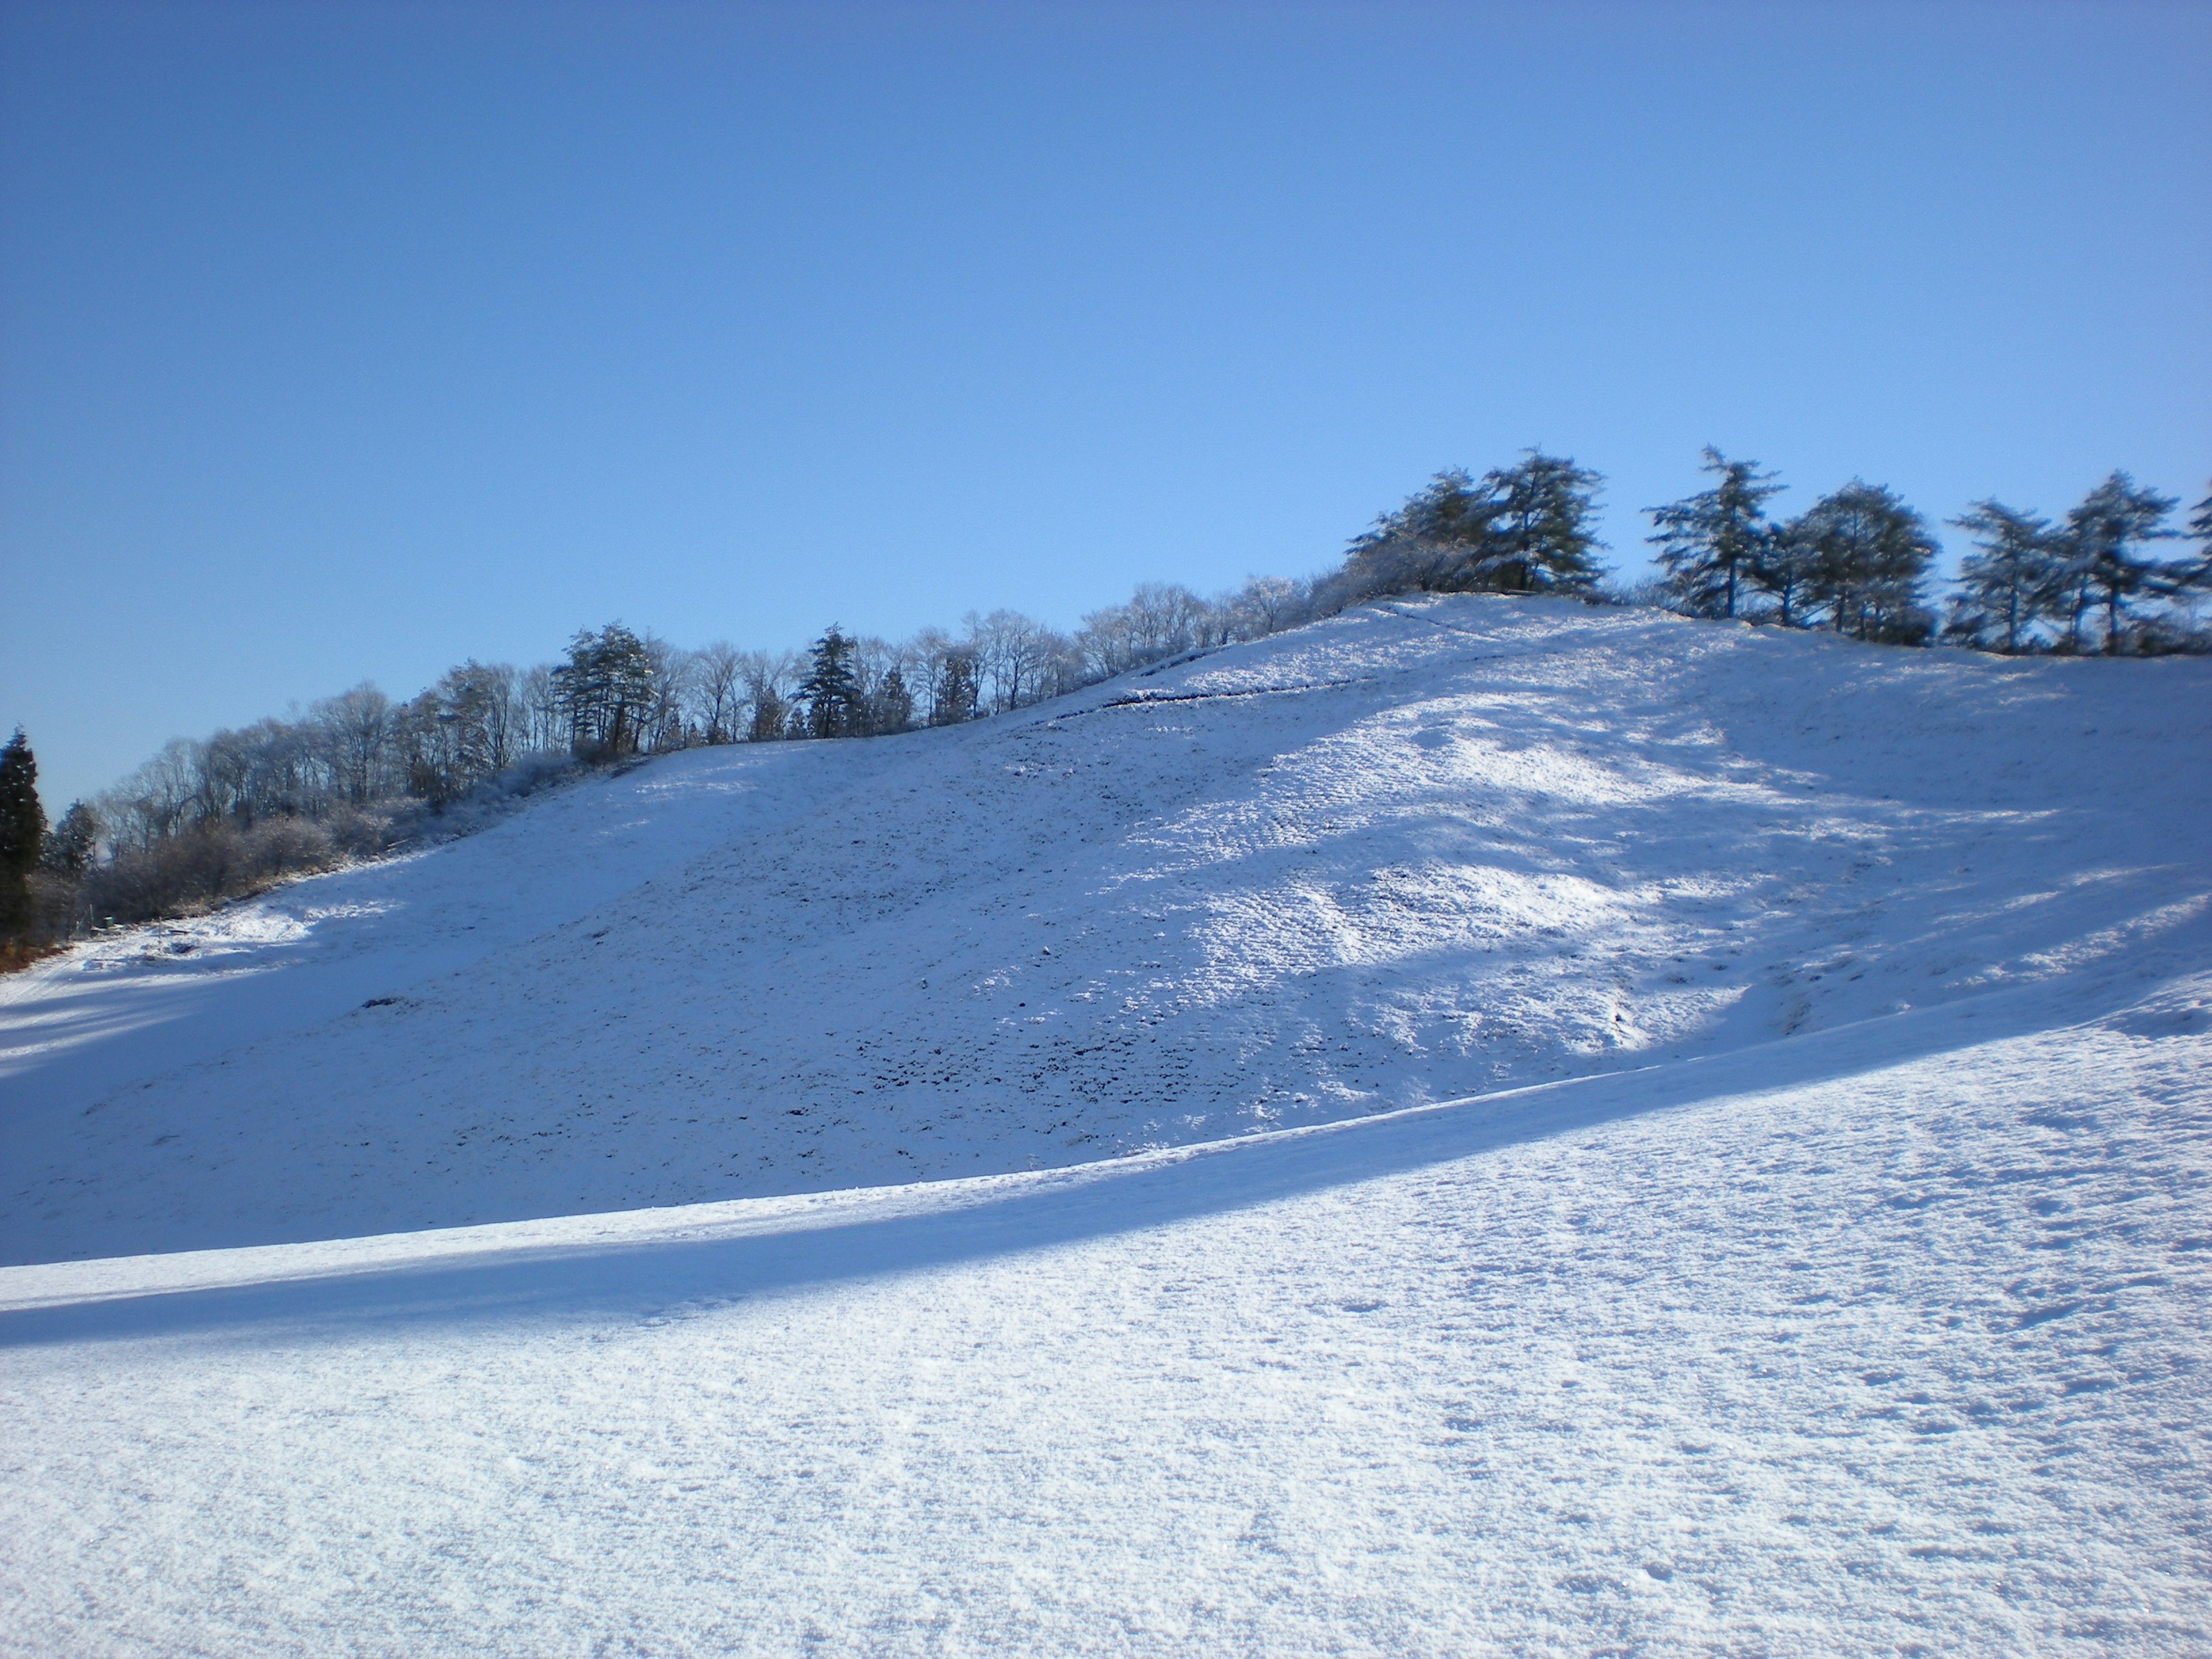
<point x="1909" y="1360"/>
<point x="1413" y="853"/>
<point x="984" y="1191"/>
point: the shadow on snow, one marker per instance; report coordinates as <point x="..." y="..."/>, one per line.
<point x="980" y="1221"/>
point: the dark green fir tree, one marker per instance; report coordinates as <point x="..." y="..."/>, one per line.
<point x="22" y="833"/>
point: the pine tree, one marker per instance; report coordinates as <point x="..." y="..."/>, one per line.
<point x="1870" y="556"/>
<point x="1540" y="541"/>
<point x="2186" y="576"/>
<point x="2009" y="582"/>
<point x="1435" y="542"/>
<point x="1785" y="568"/>
<point x="832" y="695"/>
<point x="1711" y="541"/>
<point x="2105" y="536"/>
<point x="22" y="833"/>
<point x="71" y="843"/>
<point x="1521" y="529"/>
<point x="604" y="689"/>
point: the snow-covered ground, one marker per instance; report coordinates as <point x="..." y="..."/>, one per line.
<point x="1407" y="855"/>
<point x="1819" y="1265"/>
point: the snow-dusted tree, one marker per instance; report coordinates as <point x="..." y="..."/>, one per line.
<point x="272" y="768"/>
<point x="924" y="665"/>
<point x="1436" y="542"/>
<point x="22" y="833"/>
<point x="1268" y="605"/>
<point x="1165" y="618"/>
<point x="2186" y="581"/>
<point x="466" y="727"/>
<point x="1016" y="658"/>
<point x="1220" y="621"/>
<point x="1106" y="643"/>
<point x="1711" y="542"/>
<point x="1159" y="620"/>
<point x="503" y="733"/>
<point x="766" y="722"/>
<point x="155" y="801"/>
<point x="227" y="781"/>
<point x="2105" y="552"/>
<point x="355" y="727"/>
<point x="2008" y="583"/>
<point x="875" y="662"/>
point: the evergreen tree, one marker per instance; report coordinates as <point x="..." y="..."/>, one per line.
<point x="2185" y="575"/>
<point x="604" y="689"/>
<point x="2008" y="583"/>
<point x="1785" y="568"/>
<point x="2106" y="535"/>
<point x="22" y="832"/>
<point x="1435" y="542"/>
<point x="958" y="690"/>
<point x="832" y="695"/>
<point x="1523" y="529"/>
<point x="1870" y="554"/>
<point x="770" y="715"/>
<point x="1540" y="541"/>
<point x="1712" y="540"/>
<point x="71" y="844"/>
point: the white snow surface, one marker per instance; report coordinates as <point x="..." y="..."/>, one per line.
<point x="1476" y="1127"/>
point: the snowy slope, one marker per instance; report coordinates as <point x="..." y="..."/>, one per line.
<point x="1822" y="1263"/>
<point x="1413" y="853"/>
<point x="1889" y="1341"/>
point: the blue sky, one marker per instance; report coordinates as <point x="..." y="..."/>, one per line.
<point x="346" y="341"/>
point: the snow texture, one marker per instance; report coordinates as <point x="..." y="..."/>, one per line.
<point x="1811" y="1254"/>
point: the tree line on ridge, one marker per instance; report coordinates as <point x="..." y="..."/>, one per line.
<point x="208" y="819"/>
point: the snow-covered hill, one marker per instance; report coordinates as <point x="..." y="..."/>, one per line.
<point x="1418" y="853"/>
<point x="1643" y="1138"/>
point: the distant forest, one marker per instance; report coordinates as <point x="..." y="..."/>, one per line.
<point x="211" y="818"/>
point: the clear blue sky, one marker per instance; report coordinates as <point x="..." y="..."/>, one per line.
<point x="345" y="341"/>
